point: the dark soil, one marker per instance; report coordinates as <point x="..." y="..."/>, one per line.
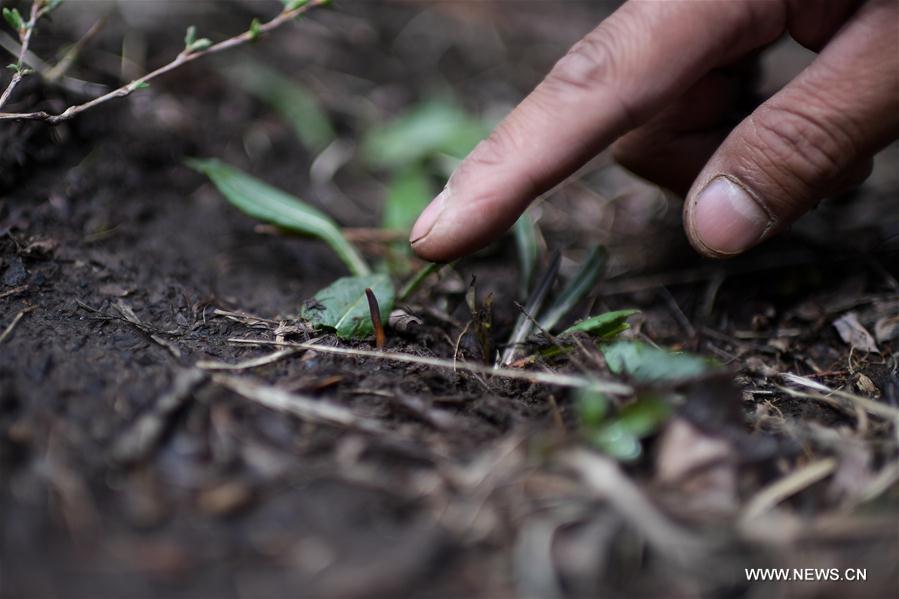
<point x="479" y="486"/>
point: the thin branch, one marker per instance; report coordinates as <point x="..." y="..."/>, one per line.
<point x="62" y="67"/>
<point x="183" y="58"/>
<point x="533" y="377"/>
<point x="25" y="37"/>
<point x="312" y="410"/>
<point x="785" y="487"/>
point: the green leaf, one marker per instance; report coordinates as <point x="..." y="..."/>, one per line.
<point x="293" y="4"/>
<point x="343" y="307"/>
<point x="525" y="324"/>
<point x="192" y="44"/>
<point x="644" y="416"/>
<point x="266" y="203"/>
<point x="255" y="29"/>
<point x="14" y="18"/>
<point x="435" y="126"/>
<point x="583" y="281"/>
<point x="200" y="44"/>
<point x="647" y="364"/>
<point x="620" y="436"/>
<point x="190" y="37"/>
<point x="141" y="85"/>
<point x="528" y="250"/>
<point x="296" y="104"/>
<point x="592" y="407"/>
<point x="603" y="326"/>
<point x="408" y="194"/>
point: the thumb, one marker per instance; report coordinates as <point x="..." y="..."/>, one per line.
<point x="801" y="145"/>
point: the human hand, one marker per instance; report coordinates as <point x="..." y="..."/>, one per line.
<point x="662" y="78"/>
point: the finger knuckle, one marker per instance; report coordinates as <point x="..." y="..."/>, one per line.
<point x="592" y="67"/>
<point x="493" y="151"/>
<point x="798" y="148"/>
<point x="589" y="62"/>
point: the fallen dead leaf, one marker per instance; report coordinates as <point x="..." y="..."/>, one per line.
<point x="698" y="464"/>
<point x="886" y="328"/>
<point x="852" y="332"/>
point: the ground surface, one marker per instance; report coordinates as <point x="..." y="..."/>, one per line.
<point x="470" y="486"/>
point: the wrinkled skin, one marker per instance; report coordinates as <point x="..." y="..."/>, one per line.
<point x="659" y="81"/>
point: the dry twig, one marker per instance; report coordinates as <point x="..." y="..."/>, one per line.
<point x="249" y="364"/>
<point x="545" y="378"/>
<point x="147" y="430"/>
<point x="9" y="329"/>
<point x="308" y="409"/>
<point x="787" y="486"/>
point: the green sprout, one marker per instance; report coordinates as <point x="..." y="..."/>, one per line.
<point x="192" y="44"/>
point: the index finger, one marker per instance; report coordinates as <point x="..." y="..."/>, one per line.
<point x="614" y="79"/>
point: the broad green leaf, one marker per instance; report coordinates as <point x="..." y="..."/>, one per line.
<point x="408" y="194"/>
<point x="603" y="326"/>
<point x="528" y="250"/>
<point x="648" y="364"/>
<point x="620" y="436"/>
<point x="296" y="104"/>
<point x="582" y="282"/>
<point x="264" y="202"/>
<point x="616" y="442"/>
<point x="644" y="416"/>
<point x="343" y="307"/>
<point x="592" y="407"/>
<point x="436" y="126"/>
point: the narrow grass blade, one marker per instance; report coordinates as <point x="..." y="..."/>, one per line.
<point x="589" y="273"/>
<point x="264" y="202"/>
<point x="603" y="326"/>
<point x="526" y="237"/>
<point x="524" y="325"/>
<point x="296" y="104"/>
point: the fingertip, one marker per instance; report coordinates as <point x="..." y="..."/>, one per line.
<point x="723" y="219"/>
<point x="428" y="217"/>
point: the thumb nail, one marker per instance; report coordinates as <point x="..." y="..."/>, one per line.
<point x="726" y="219"/>
<point x="429" y="217"/>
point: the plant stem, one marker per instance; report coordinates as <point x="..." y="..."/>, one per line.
<point x="417" y="279"/>
<point x="25" y="38"/>
<point x="183" y="58"/>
